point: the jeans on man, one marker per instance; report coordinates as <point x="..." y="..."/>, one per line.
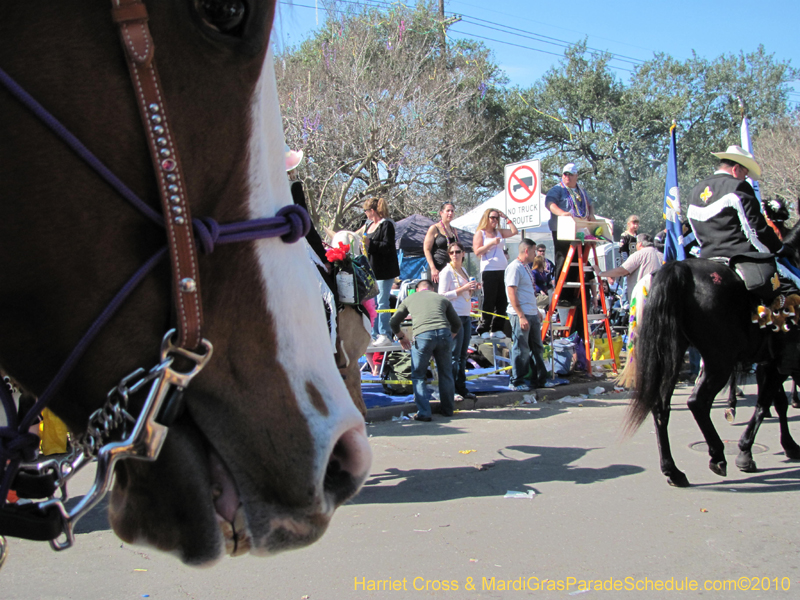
<point x="437" y="343"/>
<point x="527" y="352"/>
<point x="381" y="324"/>
<point x="460" y="347"/>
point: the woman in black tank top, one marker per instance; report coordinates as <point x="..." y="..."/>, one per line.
<point x="440" y="235"/>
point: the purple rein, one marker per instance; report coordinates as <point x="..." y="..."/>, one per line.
<point x="291" y="224"/>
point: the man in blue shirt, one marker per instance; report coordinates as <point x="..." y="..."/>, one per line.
<point x="570" y="200"/>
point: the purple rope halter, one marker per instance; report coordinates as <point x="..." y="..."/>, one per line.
<point x="291" y="224"/>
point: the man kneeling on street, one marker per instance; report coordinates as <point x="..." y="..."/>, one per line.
<point x="435" y="323"/>
<point x="527" y="351"/>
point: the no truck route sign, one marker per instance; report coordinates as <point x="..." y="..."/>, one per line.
<point x="523" y="195"/>
<point x="522" y="184"/>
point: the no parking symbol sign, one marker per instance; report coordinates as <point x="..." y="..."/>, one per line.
<point x="523" y="193"/>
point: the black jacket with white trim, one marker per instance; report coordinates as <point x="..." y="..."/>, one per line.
<point x="726" y="218"/>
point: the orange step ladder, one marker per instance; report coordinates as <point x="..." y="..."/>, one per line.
<point x="576" y="249"/>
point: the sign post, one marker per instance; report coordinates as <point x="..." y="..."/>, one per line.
<point x="523" y="193"/>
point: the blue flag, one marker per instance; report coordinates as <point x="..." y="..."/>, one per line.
<point x="673" y="244"/>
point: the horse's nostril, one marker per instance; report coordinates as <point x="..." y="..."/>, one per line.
<point x="348" y="465"/>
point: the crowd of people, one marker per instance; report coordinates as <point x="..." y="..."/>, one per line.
<point x="723" y="215"/>
<point x="513" y="293"/>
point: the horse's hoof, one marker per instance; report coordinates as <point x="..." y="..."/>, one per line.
<point x="792" y="452"/>
<point x="730" y="415"/>
<point x="795" y="403"/>
<point x="720" y="468"/>
<point x="678" y="480"/>
<point x="746" y="464"/>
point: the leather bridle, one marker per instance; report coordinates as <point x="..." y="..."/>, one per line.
<point x="112" y="432"/>
<point x="131" y="17"/>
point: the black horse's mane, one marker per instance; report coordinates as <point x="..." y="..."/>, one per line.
<point x="792" y="239"/>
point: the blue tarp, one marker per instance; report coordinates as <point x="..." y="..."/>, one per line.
<point x="411" y="266"/>
<point x="374" y="395"/>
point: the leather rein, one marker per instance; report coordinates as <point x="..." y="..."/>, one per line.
<point x="112" y="432"/>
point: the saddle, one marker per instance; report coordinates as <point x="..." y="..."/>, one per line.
<point x="758" y="272"/>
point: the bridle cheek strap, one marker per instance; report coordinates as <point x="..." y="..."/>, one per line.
<point x="131" y="17"/>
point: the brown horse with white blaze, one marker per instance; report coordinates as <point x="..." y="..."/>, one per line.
<point x="269" y="443"/>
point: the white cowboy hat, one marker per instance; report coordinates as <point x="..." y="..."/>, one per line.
<point x="293" y="158"/>
<point x="740" y="156"/>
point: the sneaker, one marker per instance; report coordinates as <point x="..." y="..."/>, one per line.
<point x="470" y="396"/>
<point x="382" y="340"/>
<point x="418" y="417"/>
<point x="498" y="335"/>
<point x="519" y="388"/>
<point x="486" y="335"/>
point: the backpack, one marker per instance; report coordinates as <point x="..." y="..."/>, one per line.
<point x="397" y="367"/>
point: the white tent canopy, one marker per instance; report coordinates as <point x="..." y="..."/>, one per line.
<point x="470" y="221"/>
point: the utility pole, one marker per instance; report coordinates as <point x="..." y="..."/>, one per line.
<point x="443" y="69"/>
<point x="448" y="182"/>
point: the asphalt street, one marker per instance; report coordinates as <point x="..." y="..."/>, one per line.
<point x="433" y="520"/>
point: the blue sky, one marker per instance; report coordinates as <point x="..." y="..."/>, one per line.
<point x="631" y="30"/>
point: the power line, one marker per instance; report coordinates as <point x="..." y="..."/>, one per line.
<point x="560" y="43"/>
<point x="480" y="37"/>
<point x="507" y="29"/>
<point x="545" y="39"/>
<point x="552" y="25"/>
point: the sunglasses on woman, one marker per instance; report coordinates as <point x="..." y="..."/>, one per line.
<point x="455" y="252"/>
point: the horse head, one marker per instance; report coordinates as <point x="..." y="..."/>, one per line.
<point x="269" y="443"/>
<point x="349" y="238"/>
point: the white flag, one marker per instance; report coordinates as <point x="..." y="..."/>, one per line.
<point x="748" y="146"/>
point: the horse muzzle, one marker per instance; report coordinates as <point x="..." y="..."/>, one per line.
<point x="269" y="527"/>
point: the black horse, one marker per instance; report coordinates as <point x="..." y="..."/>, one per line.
<point x="705" y="304"/>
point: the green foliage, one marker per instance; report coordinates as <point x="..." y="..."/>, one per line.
<point x="383" y="106"/>
<point x="618" y="132"/>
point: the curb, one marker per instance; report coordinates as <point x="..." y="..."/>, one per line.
<point x="385" y="413"/>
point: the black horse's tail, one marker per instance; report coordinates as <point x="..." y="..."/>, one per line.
<point x="659" y="341"/>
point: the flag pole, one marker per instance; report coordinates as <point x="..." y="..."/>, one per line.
<point x="673" y="244"/>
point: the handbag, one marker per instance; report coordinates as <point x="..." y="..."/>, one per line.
<point x="366" y="285"/>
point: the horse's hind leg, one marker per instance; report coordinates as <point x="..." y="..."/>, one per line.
<point x="675" y="476"/>
<point x="795" y="397"/>
<point x="708" y="386"/>
<point x="766" y="378"/>
<point x="730" y="412"/>
<point x="790" y="448"/>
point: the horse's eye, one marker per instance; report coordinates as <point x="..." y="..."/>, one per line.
<point x="225" y="16"/>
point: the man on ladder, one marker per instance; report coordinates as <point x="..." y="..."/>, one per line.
<point x="568" y="199"/>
